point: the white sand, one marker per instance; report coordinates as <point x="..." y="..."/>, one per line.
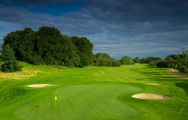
<point x="38" y="85"/>
<point x="156" y="84"/>
<point x="149" y="96"/>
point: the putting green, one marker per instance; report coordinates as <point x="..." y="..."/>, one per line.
<point x="83" y="102"/>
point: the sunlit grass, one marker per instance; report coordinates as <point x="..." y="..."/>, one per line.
<point x="92" y="93"/>
<point x="25" y="74"/>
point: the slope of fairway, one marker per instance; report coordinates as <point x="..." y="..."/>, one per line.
<point x="88" y="102"/>
<point x="93" y="93"/>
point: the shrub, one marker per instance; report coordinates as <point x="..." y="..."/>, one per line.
<point x="179" y="61"/>
<point x="103" y="59"/>
<point x="126" y="60"/>
<point x="9" y="61"/>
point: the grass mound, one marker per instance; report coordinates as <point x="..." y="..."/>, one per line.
<point x="10" y="93"/>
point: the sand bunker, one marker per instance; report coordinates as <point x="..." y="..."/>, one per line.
<point x="156" y="84"/>
<point x="39" y="85"/>
<point x="149" y="96"/>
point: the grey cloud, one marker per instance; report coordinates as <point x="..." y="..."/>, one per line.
<point x="119" y="27"/>
<point x="123" y="11"/>
<point x="37" y="2"/>
<point x="155" y="44"/>
<point x="81" y="23"/>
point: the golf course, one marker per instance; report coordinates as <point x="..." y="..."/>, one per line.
<point x="93" y="93"/>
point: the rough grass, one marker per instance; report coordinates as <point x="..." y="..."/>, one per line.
<point x="94" y="93"/>
<point x="18" y="75"/>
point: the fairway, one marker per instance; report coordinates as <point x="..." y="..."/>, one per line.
<point x="89" y="101"/>
<point x="93" y="93"/>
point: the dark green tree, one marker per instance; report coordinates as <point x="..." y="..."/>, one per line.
<point x="84" y="47"/>
<point x="69" y="53"/>
<point x="152" y="61"/>
<point x="45" y="46"/>
<point x="53" y="48"/>
<point x="9" y="61"/>
<point x="103" y="59"/>
<point x="22" y="42"/>
<point x="126" y="60"/>
<point x="0" y="56"/>
<point x="49" y="46"/>
<point x="177" y="61"/>
<point x="136" y="60"/>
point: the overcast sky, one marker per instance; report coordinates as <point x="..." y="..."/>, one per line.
<point x="118" y="27"/>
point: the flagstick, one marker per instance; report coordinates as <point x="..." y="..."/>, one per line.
<point x="55" y="98"/>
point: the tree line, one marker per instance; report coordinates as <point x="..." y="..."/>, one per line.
<point x="176" y="61"/>
<point x="48" y="46"/>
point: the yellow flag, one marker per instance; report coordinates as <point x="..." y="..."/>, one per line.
<point x="55" y="98"/>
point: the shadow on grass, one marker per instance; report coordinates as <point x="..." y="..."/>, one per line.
<point x="10" y="93"/>
<point x="183" y="85"/>
<point x="163" y="76"/>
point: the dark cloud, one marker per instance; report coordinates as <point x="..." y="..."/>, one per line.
<point x="158" y="44"/>
<point x="37" y="2"/>
<point x="81" y="22"/>
<point x="132" y="27"/>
